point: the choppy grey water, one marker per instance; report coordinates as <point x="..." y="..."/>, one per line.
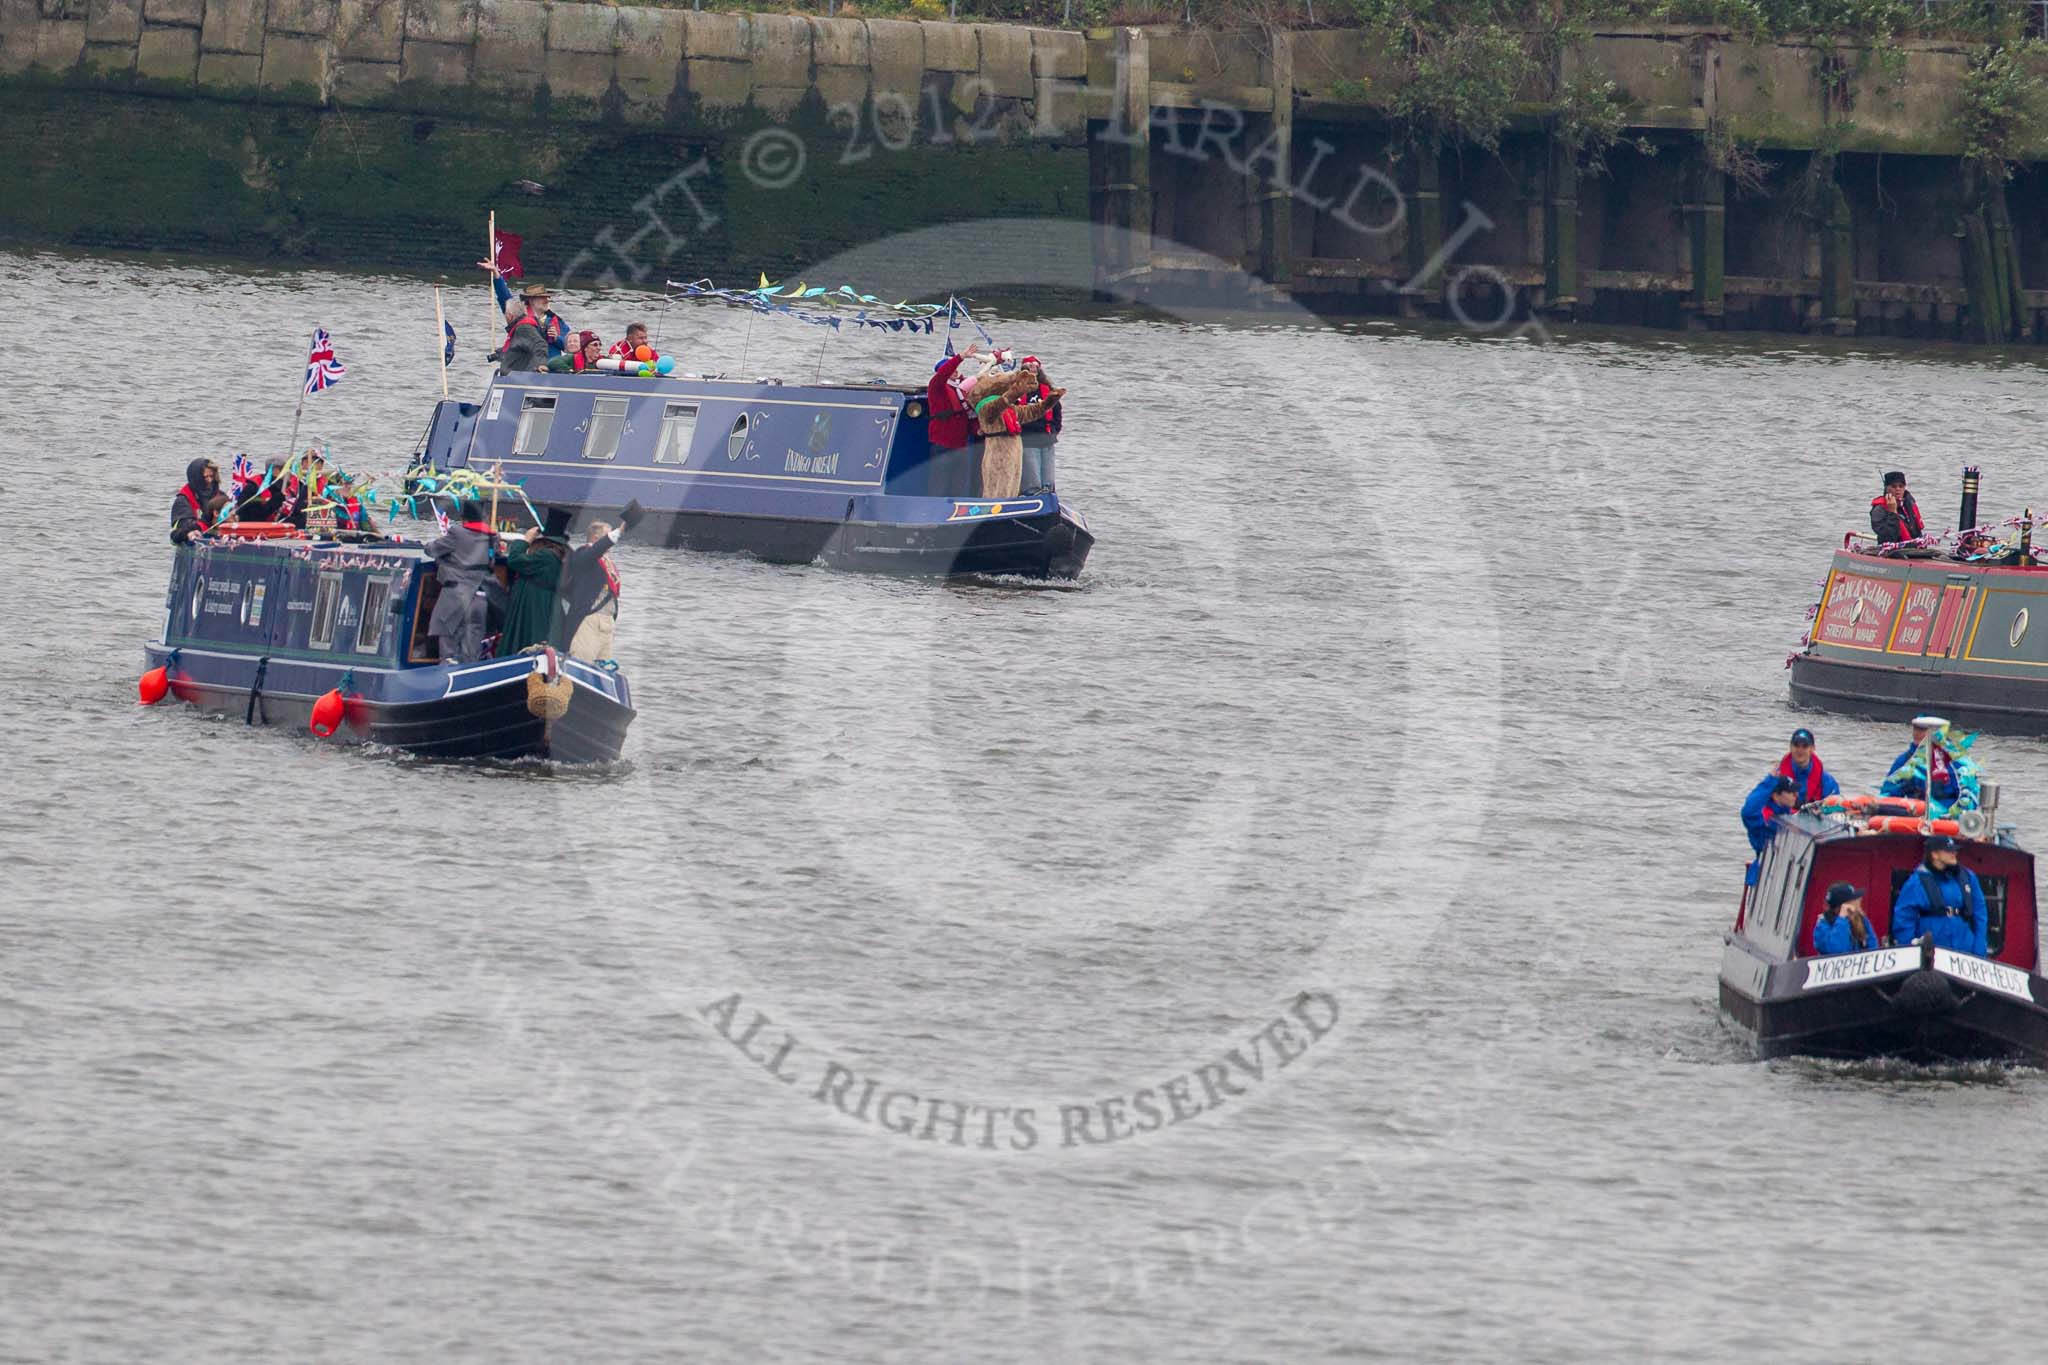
<point x="1416" y="672"/>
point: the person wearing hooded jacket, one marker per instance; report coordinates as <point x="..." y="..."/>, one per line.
<point x="462" y="557"/>
<point x="525" y="348"/>
<point x="191" y="505"/>
<point x="1943" y="901"/>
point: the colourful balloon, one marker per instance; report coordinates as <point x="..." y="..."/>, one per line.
<point x="664" y="365"/>
<point x="646" y="371"/>
<point x="643" y="353"/>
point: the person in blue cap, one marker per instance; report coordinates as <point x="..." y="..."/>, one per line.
<point x="1942" y="901"/>
<point x="1842" y="926"/>
<point x="1769" y="799"/>
<point x="1804" y="767"/>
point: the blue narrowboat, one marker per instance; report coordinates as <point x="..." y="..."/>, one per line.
<point x="843" y="473"/>
<point x="333" y="635"/>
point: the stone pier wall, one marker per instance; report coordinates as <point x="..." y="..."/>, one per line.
<point x="631" y="143"/>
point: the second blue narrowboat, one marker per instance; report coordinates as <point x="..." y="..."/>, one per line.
<point x="845" y="474"/>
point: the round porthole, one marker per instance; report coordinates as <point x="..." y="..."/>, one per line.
<point x="1855" y="611"/>
<point x="737" y="440"/>
<point x="2019" y="629"/>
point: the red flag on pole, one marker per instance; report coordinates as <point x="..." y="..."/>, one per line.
<point x="505" y="251"/>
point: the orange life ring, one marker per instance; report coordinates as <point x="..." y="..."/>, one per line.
<point x="257" y="530"/>
<point x="1861" y="801"/>
<point x="1909" y="824"/>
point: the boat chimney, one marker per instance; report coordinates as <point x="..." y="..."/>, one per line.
<point x="2027" y="539"/>
<point x="1966" y="519"/>
<point x="1987" y="799"/>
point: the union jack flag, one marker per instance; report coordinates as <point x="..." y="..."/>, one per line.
<point x="440" y="517"/>
<point x="322" y="368"/>
<point x="242" y="475"/>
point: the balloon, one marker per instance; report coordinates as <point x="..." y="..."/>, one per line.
<point x="664" y="365"/>
<point x="327" y="713"/>
<point x="643" y="353"/>
<point x="153" y="686"/>
<point x="646" y="371"/>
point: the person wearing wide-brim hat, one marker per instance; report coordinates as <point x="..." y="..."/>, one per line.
<point x="554" y="328"/>
<point x="536" y="569"/>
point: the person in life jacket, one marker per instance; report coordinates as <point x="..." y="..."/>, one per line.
<point x="1042" y="435"/>
<point x="191" y="505"/>
<point x="1894" y="516"/>
<point x="629" y="346"/>
<point x="1769" y="799"/>
<point x="1842" y="926"/>
<point x="1956" y="784"/>
<point x="1804" y="767"/>
<point x="534" y="298"/>
<point x="525" y="348"/>
<point x="589" y="350"/>
<point x="1942" y="901"/>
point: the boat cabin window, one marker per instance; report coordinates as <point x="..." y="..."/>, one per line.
<point x="1994" y="904"/>
<point x="607" y="424"/>
<point x="737" y="440"/>
<point x="678" y="426"/>
<point x="326" y="601"/>
<point x="376" y="600"/>
<point x="536" y="420"/>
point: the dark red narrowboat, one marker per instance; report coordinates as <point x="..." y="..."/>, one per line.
<point x="1944" y="624"/>
<point x="1912" y="1001"/>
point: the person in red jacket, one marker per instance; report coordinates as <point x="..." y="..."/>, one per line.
<point x="635" y="338"/>
<point x="950" y="419"/>
<point x="1894" y="516"/>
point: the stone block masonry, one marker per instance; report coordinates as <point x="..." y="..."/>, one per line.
<point x="382" y="131"/>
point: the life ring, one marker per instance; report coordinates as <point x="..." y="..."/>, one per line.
<point x="1907" y="824"/>
<point x="257" y="530"/>
<point x="1858" y="802"/>
<point x="1899" y="805"/>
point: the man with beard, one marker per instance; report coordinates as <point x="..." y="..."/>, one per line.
<point x="192" y="505"/>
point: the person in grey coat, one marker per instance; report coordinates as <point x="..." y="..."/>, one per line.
<point x="462" y="559"/>
<point x="525" y="348"/>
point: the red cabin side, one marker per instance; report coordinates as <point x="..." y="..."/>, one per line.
<point x="1874" y="862"/>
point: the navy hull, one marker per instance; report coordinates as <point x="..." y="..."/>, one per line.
<point x="1049" y="546"/>
<point x="462" y="712"/>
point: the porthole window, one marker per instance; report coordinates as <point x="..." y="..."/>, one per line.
<point x="737" y="441"/>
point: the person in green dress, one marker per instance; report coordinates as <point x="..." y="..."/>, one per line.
<point x="536" y="569"/>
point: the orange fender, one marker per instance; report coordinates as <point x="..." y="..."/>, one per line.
<point x="1907" y="824"/>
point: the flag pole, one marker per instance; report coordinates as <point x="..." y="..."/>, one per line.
<point x="292" y="449"/>
<point x="441" y="340"/>
<point x="491" y="255"/>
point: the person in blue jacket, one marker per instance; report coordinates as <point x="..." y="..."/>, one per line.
<point x="552" y="325"/>
<point x="1942" y="901"/>
<point x="1769" y="799"/>
<point x="1842" y="927"/>
<point x="1804" y="767"/>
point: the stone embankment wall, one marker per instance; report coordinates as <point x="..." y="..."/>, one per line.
<point x="629" y="144"/>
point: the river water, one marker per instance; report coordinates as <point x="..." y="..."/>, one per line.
<point x="1414" y="683"/>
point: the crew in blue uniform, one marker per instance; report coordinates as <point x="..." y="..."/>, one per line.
<point x="1914" y="786"/>
<point x="1842" y="926"/>
<point x="1769" y="799"/>
<point x="1804" y="767"/>
<point x="1942" y="901"/>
